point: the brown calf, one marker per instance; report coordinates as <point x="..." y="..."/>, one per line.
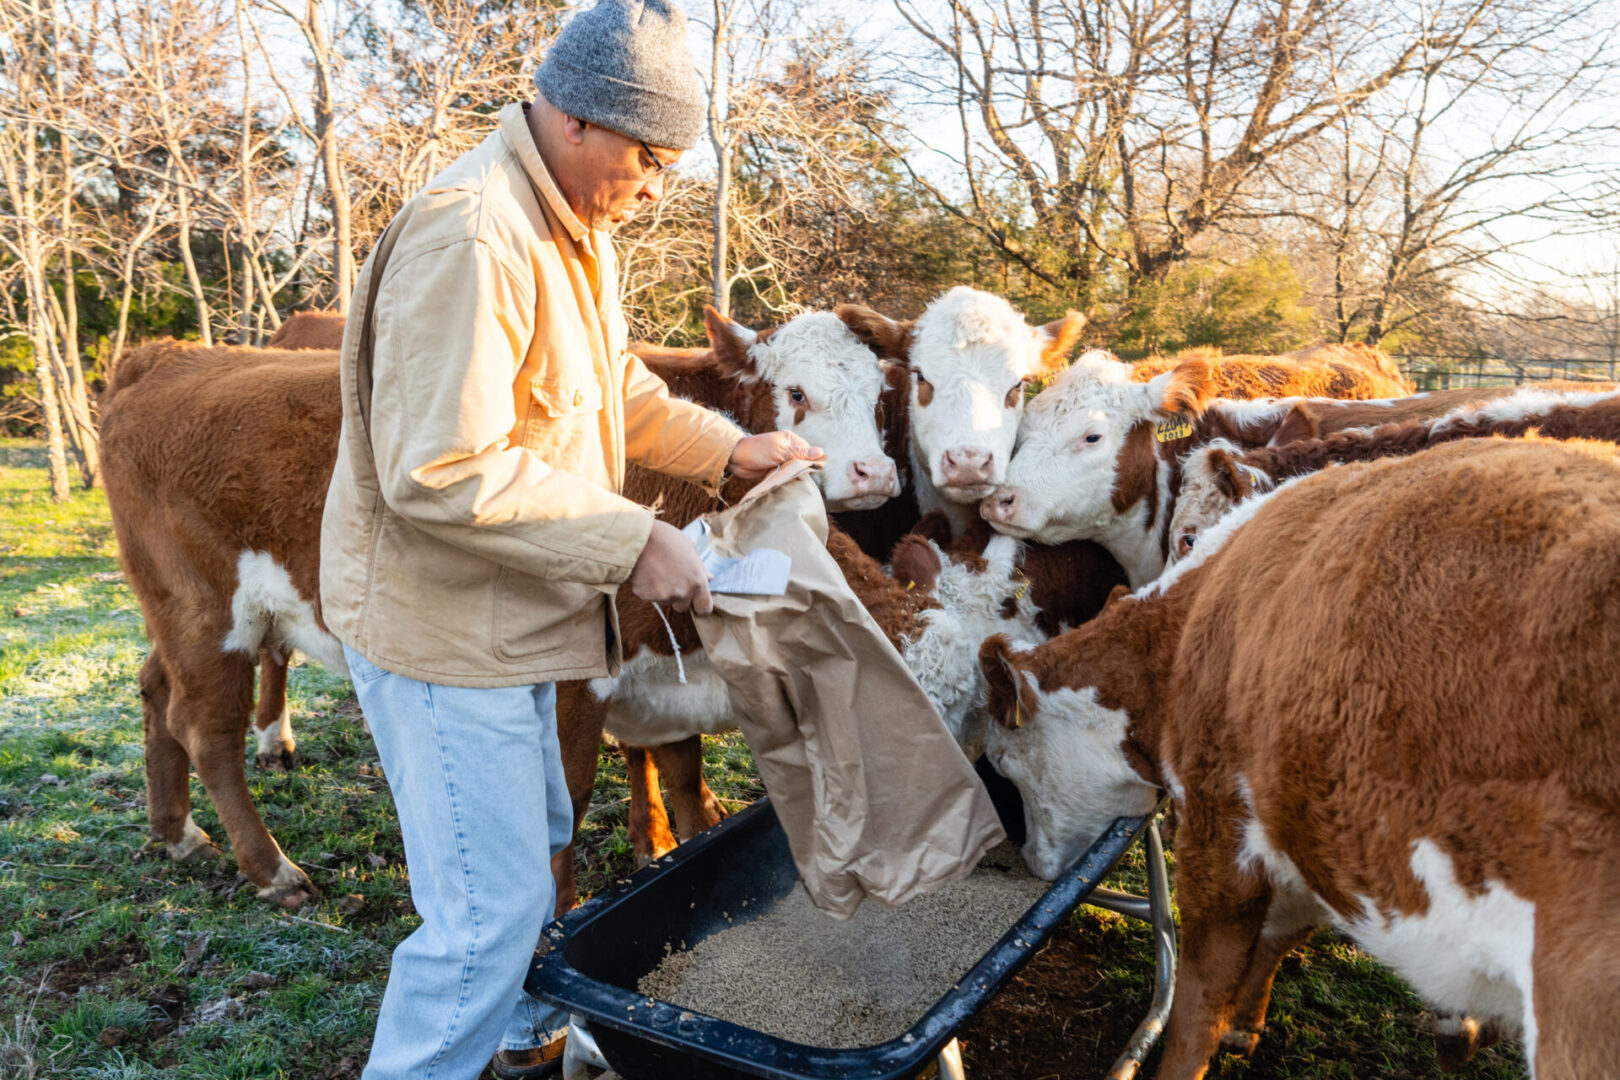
<point x="1412" y="733"/>
<point x="217" y="462"/>
<point x="1351" y="371"/>
<point x="309" y="330"/>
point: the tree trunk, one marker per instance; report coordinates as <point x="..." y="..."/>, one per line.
<point x="55" y="449"/>
<point x="719" y="137"/>
<point x="337" y="190"/>
<point x="205" y="332"/>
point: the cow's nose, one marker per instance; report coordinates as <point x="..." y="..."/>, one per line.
<point x="872" y="476"/>
<point x="1000" y="505"/>
<point x="966" y="467"/>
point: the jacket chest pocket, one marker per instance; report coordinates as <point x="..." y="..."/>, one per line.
<point x="565" y="421"/>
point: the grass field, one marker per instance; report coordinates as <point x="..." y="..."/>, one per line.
<point x="117" y="963"/>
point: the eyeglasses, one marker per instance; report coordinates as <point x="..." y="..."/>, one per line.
<point x="658" y="167"/>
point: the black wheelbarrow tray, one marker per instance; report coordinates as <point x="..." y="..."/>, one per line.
<point x="591" y="959"/>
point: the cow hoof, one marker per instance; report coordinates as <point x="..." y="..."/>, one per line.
<point x="1240" y="1042"/>
<point x="194" y="845"/>
<point x="202" y="852"/>
<point x="283" y="760"/>
<point x="1458" y="1039"/>
<point x="290" y="888"/>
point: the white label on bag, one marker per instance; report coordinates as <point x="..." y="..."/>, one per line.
<point x="762" y="572"/>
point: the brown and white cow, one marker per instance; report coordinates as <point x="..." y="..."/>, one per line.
<point x="223" y="459"/>
<point x="1217" y="476"/>
<point x="1388" y="701"/>
<point x="970" y="355"/>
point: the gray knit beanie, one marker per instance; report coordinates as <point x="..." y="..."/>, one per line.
<point x="624" y="65"/>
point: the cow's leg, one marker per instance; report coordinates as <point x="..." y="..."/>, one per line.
<point x="648" y="822"/>
<point x="1458" y="1038"/>
<point x="1254" y="993"/>
<point x="681" y="765"/>
<point x="1223" y="913"/>
<point x="209" y="706"/>
<point x="272" y="724"/>
<point x="168" y="771"/>
<point x="1573" y="1010"/>
<point x="579" y="737"/>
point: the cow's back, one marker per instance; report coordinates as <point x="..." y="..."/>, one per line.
<point x="212" y="452"/>
<point x="1418" y="648"/>
<point x="309" y="330"/>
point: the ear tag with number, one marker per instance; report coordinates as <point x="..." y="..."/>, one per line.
<point x="1177" y="427"/>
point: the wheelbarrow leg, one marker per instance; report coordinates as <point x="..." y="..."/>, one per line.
<point x="580" y="1055"/>
<point x="1154" y="909"/>
<point x="950" y="1062"/>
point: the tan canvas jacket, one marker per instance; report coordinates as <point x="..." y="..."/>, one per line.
<point x="473" y="533"/>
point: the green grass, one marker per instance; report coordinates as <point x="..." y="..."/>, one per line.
<point x="117" y="963"/>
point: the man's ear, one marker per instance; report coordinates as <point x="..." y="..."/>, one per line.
<point x="891" y="340"/>
<point x="730" y="341"/>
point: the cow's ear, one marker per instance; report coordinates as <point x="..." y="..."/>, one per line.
<point x="1230" y="478"/>
<point x="916" y="562"/>
<point x="730" y="340"/>
<point x="1116" y="593"/>
<point x="891" y="340"/>
<point x="1011" y="697"/>
<point x="1186" y="389"/>
<point x="1300" y="424"/>
<point x="1057" y="340"/>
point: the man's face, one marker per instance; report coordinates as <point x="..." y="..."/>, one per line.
<point x="618" y="175"/>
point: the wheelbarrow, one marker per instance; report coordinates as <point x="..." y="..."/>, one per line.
<point x="591" y="959"/>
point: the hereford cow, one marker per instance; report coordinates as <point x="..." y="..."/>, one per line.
<point x="1347" y="372"/>
<point x="1388" y="701"/>
<point x="223" y="457"/>
<point x="309" y="330"/>
<point x="1218" y="475"/>
<point x="970" y="356"/>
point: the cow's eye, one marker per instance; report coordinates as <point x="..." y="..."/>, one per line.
<point x="1093" y="439"/>
<point x="915" y="374"/>
<point x="1184" y="546"/>
<point x="796" y="396"/>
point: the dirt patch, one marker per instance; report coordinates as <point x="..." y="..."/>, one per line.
<point x="99" y="964"/>
<point x="1062" y="1015"/>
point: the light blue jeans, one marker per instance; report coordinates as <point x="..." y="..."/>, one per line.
<point x="477" y="778"/>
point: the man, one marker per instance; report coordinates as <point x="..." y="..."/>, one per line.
<point x="474" y="537"/>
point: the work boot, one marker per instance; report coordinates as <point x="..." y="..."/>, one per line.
<point x="532" y="1064"/>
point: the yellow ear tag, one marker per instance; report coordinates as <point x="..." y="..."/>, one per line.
<point x="910" y="585"/>
<point x="1018" y="712"/>
<point x="1177" y="427"/>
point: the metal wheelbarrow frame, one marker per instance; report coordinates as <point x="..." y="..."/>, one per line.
<point x="590" y="960"/>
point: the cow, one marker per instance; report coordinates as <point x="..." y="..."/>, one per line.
<point x="1218" y="475"/>
<point x="1348" y="372"/>
<point x="309" y="330"/>
<point x="217" y="464"/>
<point x="1458" y="820"/>
<point x="970" y="357"/>
<point x="1375" y="704"/>
<point x="223" y="459"/>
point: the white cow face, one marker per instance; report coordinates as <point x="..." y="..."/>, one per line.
<point x="970" y="356"/>
<point x="1213" y="481"/>
<point x="1064" y="751"/>
<point x="824" y="384"/>
<point x="1079" y="437"/>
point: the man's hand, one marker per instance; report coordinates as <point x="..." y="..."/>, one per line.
<point x="670" y="572"/>
<point x="759" y="454"/>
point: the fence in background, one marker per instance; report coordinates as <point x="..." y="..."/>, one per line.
<point x="1444" y="372"/>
